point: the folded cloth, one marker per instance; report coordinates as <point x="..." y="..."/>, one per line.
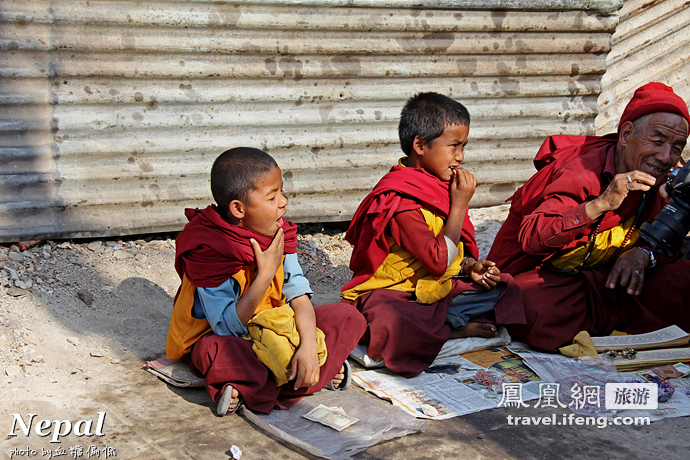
<point x="173" y="371"/>
<point x="582" y="346"/>
<point x="275" y="336"/>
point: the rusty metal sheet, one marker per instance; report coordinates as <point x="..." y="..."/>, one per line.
<point x="113" y="111"/>
<point x="651" y="43"/>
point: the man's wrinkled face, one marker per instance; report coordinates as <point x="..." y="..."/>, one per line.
<point x="655" y="144"/>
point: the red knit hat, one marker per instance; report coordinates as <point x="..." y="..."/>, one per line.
<point x="654" y="97"/>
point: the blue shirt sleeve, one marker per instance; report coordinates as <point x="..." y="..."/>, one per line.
<point x="296" y="284"/>
<point x="217" y="305"/>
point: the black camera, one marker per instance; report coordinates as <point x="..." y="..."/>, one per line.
<point x="666" y="233"/>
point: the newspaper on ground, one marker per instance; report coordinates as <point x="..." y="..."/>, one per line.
<point x="575" y="375"/>
<point x="452" y="347"/>
<point x="378" y="422"/>
<point x="460" y="385"/>
<point x="450" y="385"/>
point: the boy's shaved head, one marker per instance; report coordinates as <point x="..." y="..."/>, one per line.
<point x="235" y="173"/>
<point x="426" y="116"/>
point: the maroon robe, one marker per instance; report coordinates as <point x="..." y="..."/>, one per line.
<point x="548" y="215"/>
<point x="405" y="334"/>
<point x="209" y="251"/>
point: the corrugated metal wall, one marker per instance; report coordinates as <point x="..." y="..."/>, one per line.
<point x="113" y="111"/>
<point x="651" y="43"/>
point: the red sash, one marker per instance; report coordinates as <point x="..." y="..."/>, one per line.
<point x="210" y="250"/>
<point x="402" y="189"/>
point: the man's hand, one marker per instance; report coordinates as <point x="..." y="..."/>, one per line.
<point x="483" y="272"/>
<point x="269" y="261"/>
<point x="305" y="366"/>
<point x="629" y="269"/>
<point x="617" y="191"/>
<point x="664" y="194"/>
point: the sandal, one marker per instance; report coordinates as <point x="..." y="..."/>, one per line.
<point x="225" y="401"/>
<point x="345" y="384"/>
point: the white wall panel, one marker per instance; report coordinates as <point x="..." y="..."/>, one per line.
<point x="113" y="111"/>
<point x="651" y="43"/>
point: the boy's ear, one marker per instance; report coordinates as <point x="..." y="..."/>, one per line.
<point x="418" y="146"/>
<point x="236" y="209"/>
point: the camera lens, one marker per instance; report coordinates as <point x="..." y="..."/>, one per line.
<point x="665" y="235"/>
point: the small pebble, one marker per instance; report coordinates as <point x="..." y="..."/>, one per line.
<point x="85" y="296"/>
<point x="94" y="245"/>
<point x="13" y="371"/>
<point x="16" y="292"/>
<point x="121" y="254"/>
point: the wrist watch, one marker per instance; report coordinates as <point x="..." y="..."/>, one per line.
<point x="652" y="258"/>
<point x="462" y="273"/>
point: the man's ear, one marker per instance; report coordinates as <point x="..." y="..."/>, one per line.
<point x="236" y="209"/>
<point x="418" y="146"/>
<point x="626" y="130"/>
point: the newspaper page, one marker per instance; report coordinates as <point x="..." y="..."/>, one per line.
<point x="558" y="368"/>
<point x="449" y="387"/>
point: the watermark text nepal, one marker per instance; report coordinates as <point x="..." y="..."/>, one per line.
<point x="56" y="428"/>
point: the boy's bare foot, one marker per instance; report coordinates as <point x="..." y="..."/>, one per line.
<point x="339" y="377"/>
<point x="474" y="329"/>
<point x="234" y="401"/>
<point x="232" y="405"/>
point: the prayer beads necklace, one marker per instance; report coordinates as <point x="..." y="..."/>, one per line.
<point x="593" y="237"/>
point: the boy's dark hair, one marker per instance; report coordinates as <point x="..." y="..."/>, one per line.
<point x="235" y="173"/>
<point x="426" y="115"/>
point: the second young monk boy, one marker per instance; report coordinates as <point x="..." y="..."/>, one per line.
<point x="243" y="318"/>
<point x="417" y="279"/>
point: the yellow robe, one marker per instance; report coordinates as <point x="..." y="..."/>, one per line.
<point x="401" y="271"/>
<point x="274" y="346"/>
<point x="606" y="244"/>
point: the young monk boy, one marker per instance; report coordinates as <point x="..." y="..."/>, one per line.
<point x="243" y="317"/>
<point x="417" y="279"/>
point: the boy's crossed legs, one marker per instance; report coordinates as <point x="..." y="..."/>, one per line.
<point x="235" y="395"/>
<point x="228" y="360"/>
<point x="474" y="329"/>
<point x="468" y="305"/>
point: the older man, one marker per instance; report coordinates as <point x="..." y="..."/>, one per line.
<point x="571" y="239"/>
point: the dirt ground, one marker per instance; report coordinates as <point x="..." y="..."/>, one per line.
<point x="74" y="312"/>
<point x="79" y="318"/>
